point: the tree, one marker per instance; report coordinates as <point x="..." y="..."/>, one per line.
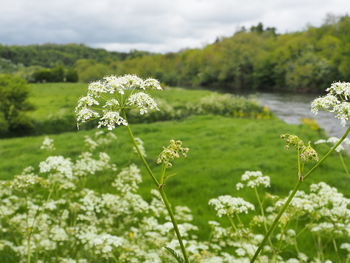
<point x="13" y="104"/>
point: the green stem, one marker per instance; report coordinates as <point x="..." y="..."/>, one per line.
<point x="344" y="165"/>
<point x="31" y="228"/>
<point x="160" y="188"/>
<point x="176" y="228"/>
<point x="291" y="196"/>
<point x="336" y="248"/>
<point x="262" y="214"/>
<point x="148" y="168"/>
<point x="232" y="223"/>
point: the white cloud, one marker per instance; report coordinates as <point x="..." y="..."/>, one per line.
<point x="156" y="25"/>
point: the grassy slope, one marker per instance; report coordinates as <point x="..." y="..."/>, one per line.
<point x="59" y="99"/>
<point x="221" y="149"/>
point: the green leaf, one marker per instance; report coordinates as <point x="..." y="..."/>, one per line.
<point x="175" y="255"/>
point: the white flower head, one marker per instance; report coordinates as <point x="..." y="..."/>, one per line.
<point x="47" y="144"/>
<point x="253" y="179"/>
<point x="57" y="164"/>
<point x="336" y="102"/>
<point x="110" y="119"/>
<point x="110" y="98"/>
<point x="333" y="141"/>
<point x="143" y="102"/>
<point x="228" y="205"/>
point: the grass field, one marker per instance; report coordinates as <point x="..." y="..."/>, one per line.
<point x="221" y="149"/>
<point x="59" y="99"/>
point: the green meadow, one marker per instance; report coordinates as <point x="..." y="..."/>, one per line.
<point x="59" y="99"/>
<point x="221" y="149"/>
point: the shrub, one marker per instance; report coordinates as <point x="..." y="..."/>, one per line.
<point x="55" y="74"/>
<point x="72" y="75"/>
<point x="13" y="104"/>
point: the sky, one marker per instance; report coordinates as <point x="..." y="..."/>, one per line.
<point x="152" y="25"/>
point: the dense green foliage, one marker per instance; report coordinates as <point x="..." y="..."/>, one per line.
<point x="13" y="103"/>
<point x="254" y="59"/>
<point x="55" y="74"/>
<point x="257" y="59"/>
<point x="49" y="55"/>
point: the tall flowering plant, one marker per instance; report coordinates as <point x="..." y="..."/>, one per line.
<point x="108" y="101"/>
<point x="336" y="101"/>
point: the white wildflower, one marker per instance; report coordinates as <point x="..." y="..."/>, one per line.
<point x="47" y="144"/>
<point x="85" y="114"/>
<point x="102" y="244"/>
<point x="333" y="141"/>
<point x="57" y="164"/>
<point x="151" y="84"/>
<point x="143" y="102"/>
<point x="109" y="98"/>
<point x="336" y="101"/>
<point x="340" y="88"/>
<point x="110" y="119"/>
<point x="253" y="179"/>
<point x="327" y="103"/>
<point x="228" y="205"/>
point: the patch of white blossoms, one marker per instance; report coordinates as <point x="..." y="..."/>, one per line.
<point x="333" y="141"/>
<point x="253" y="179"/>
<point x="108" y="99"/>
<point x="47" y="144"/>
<point x="230" y="206"/>
<point x="336" y="101"/>
<point x="76" y="224"/>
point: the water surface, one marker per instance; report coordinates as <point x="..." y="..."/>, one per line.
<point x="293" y="107"/>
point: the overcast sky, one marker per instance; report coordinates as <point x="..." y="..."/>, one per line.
<point x="156" y="25"/>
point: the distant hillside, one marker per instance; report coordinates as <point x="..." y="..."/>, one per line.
<point x="48" y="55"/>
<point x="255" y="58"/>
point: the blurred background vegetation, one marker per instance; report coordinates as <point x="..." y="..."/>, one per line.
<point x="256" y="58"/>
<point x="38" y="88"/>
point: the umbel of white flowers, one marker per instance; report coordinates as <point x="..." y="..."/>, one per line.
<point x="336" y="101"/>
<point x="108" y="98"/>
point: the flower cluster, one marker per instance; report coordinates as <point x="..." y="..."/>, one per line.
<point x="333" y="141"/>
<point x="108" y="100"/>
<point x="67" y="222"/>
<point x="306" y="152"/>
<point x="48" y="144"/>
<point x="78" y="224"/>
<point x="336" y="101"/>
<point x="230" y="206"/>
<point x="173" y="151"/>
<point x="253" y="179"/>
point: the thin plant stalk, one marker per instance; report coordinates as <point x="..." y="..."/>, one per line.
<point x="343" y="164"/>
<point x="232" y="223"/>
<point x="262" y="213"/>
<point x="291" y="196"/>
<point x="160" y="187"/>
<point x="31" y="228"/>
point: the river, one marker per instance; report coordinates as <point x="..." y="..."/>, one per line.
<point x="292" y="107"/>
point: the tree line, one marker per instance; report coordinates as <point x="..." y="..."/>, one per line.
<point x="257" y="58"/>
